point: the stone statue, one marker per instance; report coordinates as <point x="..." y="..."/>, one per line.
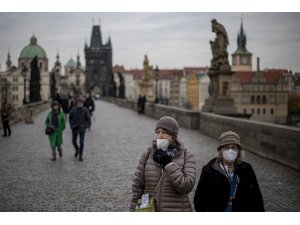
<point x="35" y="78"/>
<point x="52" y="84"/>
<point x="219" y="47"/>
<point x="146" y="82"/>
<point x="122" y="86"/>
<point x="112" y="86"/>
<point x="147" y="70"/>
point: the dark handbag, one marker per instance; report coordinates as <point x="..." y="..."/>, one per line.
<point x="48" y="130"/>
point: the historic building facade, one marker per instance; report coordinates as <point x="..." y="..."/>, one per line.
<point x="15" y="81"/>
<point x="263" y="94"/>
<point x="99" y="73"/>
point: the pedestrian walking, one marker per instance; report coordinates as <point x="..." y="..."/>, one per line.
<point x="80" y="120"/>
<point x="143" y="104"/>
<point x="165" y="172"/>
<point x="65" y="106"/>
<point x="139" y="104"/>
<point x="90" y="105"/>
<point x="55" y="124"/>
<point x="6" y="115"/>
<point x="228" y="183"/>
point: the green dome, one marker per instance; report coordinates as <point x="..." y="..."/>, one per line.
<point x="32" y="50"/>
<point x="71" y="63"/>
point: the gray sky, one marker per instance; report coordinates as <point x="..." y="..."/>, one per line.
<point x="171" y="40"/>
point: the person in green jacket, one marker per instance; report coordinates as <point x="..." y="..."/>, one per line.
<point x="56" y="121"/>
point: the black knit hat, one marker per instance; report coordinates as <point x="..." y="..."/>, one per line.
<point x="168" y="123"/>
<point x="229" y="137"/>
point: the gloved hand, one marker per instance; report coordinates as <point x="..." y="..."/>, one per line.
<point x="161" y="157"/>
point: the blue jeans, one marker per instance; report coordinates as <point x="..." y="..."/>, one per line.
<point x="81" y="133"/>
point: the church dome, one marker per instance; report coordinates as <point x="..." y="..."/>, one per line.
<point x="32" y="50"/>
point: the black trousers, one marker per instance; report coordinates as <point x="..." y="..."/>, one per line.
<point x="75" y="133"/>
<point x="6" y="128"/>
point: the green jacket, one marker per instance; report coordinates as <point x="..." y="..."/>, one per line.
<point x="56" y="138"/>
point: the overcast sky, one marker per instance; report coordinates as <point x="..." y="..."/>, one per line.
<point x="171" y="40"/>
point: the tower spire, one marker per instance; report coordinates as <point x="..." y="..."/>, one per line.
<point x="8" y="61"/>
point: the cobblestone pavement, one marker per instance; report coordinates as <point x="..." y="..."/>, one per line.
<point x="29" y="181"/>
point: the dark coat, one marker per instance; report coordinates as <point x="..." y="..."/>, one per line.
<point x="89" y="104"/>
<point x="213" y="190"/>
<point x="79" y="118"/>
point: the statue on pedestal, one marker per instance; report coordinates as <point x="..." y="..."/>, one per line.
<point x="146" y="83"/>
<point x="219" y="47"/>
<point x="220" y="74"/>
<point x="35" y="78"/>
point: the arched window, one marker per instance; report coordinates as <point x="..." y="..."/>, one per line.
<point x="252" y="100"/>
<point x="264" y="100"/>
<point x="272" y="111"/>
<point x="258" y="111"/>
<point x="258" y="100"/>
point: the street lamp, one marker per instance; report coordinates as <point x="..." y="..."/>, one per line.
<point x="156" y="80"/>
<point x="24" y="73"/>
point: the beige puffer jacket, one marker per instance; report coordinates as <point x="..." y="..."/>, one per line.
<point x="178" y="181"/>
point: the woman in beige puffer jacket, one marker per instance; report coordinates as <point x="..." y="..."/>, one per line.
<point x="178" y="167"/>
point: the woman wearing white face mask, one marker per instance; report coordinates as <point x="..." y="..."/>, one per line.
<point x="169" y="160"/>
<point x="227" y="183"/>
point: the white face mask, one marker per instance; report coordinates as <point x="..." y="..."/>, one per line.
<point x="162" y="144"/>
<point x="230" y="155"/>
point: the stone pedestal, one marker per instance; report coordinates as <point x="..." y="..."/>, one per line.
<point x="220" y="101"/>
<point x="146" y="88"/>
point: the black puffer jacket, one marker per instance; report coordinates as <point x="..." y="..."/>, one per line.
<point x="213" y="190"/>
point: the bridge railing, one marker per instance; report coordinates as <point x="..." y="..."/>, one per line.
<point x="276" y="142"/>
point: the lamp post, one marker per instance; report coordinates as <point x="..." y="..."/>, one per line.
<point x="156" y="86"/>
<point x="24" y="73"/>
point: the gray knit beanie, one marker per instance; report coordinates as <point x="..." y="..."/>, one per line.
<point x="229" y="137"/>
<point x="168" y="123"/>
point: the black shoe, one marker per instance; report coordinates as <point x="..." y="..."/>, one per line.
<point x="80" y="158"/>
<point x="4" y="135"/>
<point x="59" y="152"/>
<point x="76" y="154"/>
<point x="9" y="134"/>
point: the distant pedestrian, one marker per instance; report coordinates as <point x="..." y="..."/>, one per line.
<point x="57" y="98"/>
<point x="55" y="122"/>
<point x="139" y="104"/>
<point x="90" y="105"/>
<point x="6" y="115"/>
<point x="144" y="100"/>
<point x="166" y="171"/>
<point x="227" y="183"/>
<point x="80" y="120"/>
<point x="65" y="106"/>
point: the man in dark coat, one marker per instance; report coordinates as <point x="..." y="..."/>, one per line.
<point x="214" y="187"/>
<point x="79" y="120"/>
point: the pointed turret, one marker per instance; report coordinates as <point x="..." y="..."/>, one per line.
<point x="57" y="63"/>
<point x="78" y="64"/>
<point x="242" y="58"/>
<point x="96" y="39"/>
<point x="242" y="42"/>
<point x="8" y="62"/>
